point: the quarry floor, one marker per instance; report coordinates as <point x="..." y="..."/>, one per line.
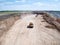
<point x="19" y="34"/>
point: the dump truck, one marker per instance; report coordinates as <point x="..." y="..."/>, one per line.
<point x="30" y="25"/>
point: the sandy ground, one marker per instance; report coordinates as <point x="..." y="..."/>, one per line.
<point x="19" y="34"/>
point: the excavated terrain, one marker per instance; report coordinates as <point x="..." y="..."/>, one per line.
<point x="14" y="31"/>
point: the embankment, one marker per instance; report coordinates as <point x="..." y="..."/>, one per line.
<point x="6" y="21"/>
<point x="52" y="20"/>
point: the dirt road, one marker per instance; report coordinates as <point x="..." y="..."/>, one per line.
<point x="19" y="34"/>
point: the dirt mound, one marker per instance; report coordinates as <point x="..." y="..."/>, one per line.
<point x="6" y="22"/>
<point x="52" y="20"/>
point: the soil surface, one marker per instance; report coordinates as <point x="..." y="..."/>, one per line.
<point x="19" y="34"/>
